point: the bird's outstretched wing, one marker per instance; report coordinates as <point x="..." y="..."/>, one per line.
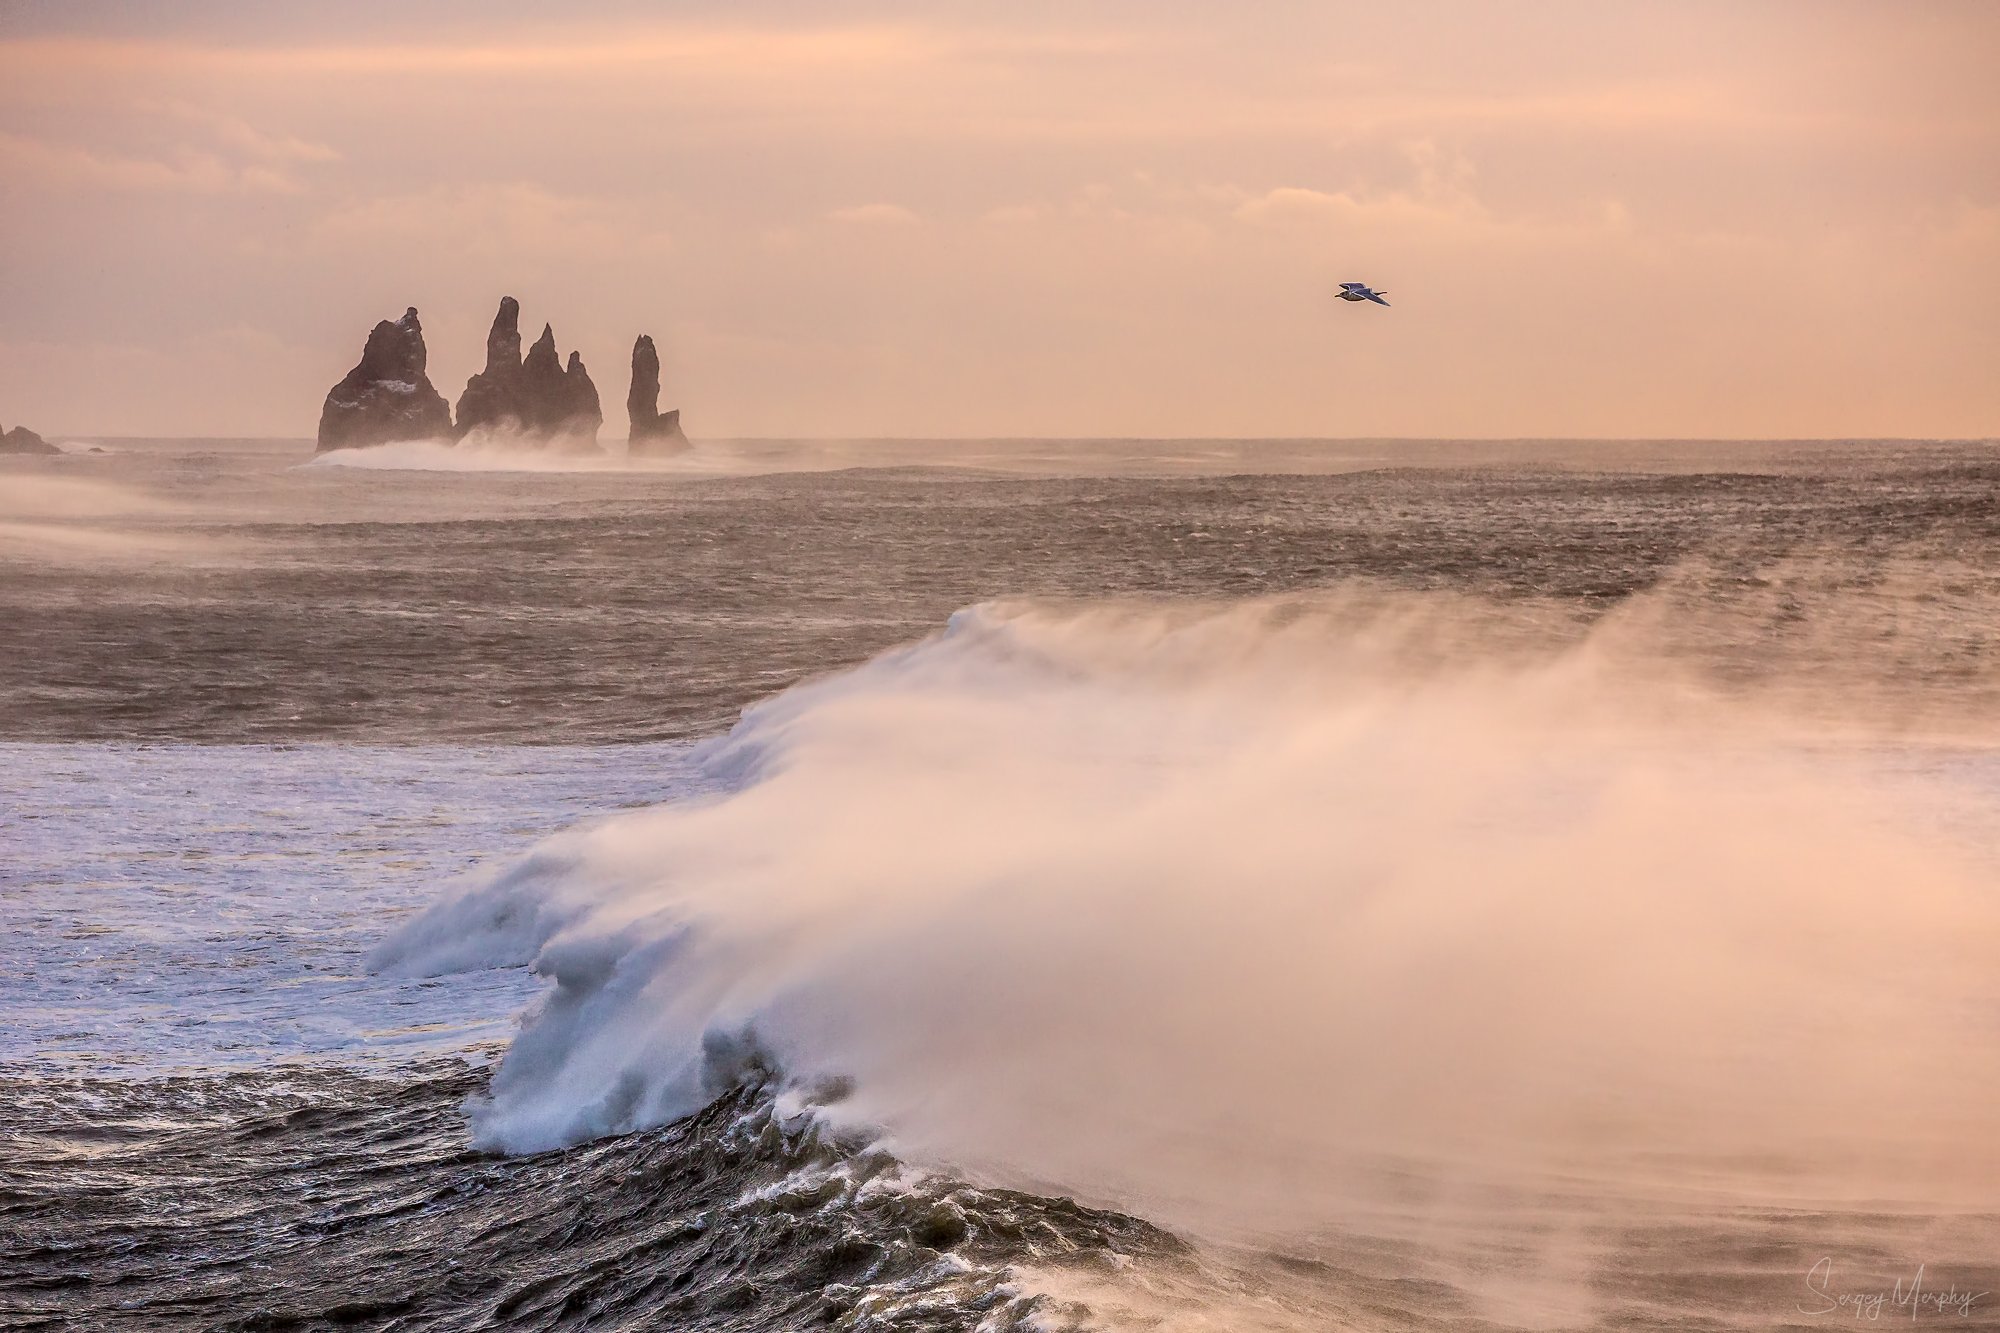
<point x="1376" y="297"/>
<point x="1353" y="286"/>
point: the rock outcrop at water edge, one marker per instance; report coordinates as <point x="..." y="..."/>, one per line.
<point x="536" y="399"/>
<point x="653" y="432"/>
<point x="387" y="397"/>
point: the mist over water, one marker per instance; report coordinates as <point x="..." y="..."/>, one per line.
<point x="1251" y="918"/>
<point x="87" y="520"/>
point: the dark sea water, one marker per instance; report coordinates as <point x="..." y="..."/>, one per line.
<point x="1382" y="885"/>
<point x="401" y="606"/>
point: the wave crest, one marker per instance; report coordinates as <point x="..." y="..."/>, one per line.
<point x="1232" y="913"/>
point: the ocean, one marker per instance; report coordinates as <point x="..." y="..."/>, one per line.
<point x="1001" y="885"/>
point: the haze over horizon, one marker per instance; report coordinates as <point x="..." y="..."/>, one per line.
<point x="879" y="219"/>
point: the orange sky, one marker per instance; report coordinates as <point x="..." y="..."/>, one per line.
<point x="1741" y="219"/>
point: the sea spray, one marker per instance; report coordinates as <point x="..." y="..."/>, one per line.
<point x="1257" y="917"/>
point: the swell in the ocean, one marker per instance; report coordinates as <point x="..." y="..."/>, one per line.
<point x="1417" y="918"/>
<point x="318" y="1199"/>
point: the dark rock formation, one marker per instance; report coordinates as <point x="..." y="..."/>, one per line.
<point x="21" y="440"/>
<point x="387" y="397"/>
<point x="653" y="432"/>
<point x="583" y="401"/>
<point x="491" y="397"/>
<point x="535" y="398"/>
<point x="544" y="400"/>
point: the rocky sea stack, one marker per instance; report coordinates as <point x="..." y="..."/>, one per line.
<point x="536" y="398"/>
<point x="21" y="440"/>
<point x="539" y="399"/>
<point x="653" y="432"/>
<point x="387" y="397"/>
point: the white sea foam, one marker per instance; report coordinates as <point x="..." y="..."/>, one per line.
<point x="503" y="452"/>
<point x="481" y="452"/>
<point x="1231" y="914"/>
<point x="472" y="455"/>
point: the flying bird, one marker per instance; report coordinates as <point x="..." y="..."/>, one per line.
<point x="1360" y="291"/>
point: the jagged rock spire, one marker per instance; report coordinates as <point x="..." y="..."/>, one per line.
<point x="387" y="396"/>
<point x="533" y="398"/>
<point x="652" y="431"/>
<point x="503" y="340"/>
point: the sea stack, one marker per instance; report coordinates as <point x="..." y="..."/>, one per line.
<point x="491" y="396"/>
<point x="21" y="440"/>
<point x="387" y="397"/>
<point x="535" y="398"/>
<point x="585" y="409"/>
<point x="653" y="433"/>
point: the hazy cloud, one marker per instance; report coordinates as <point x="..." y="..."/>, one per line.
<point x="60" y="166"/>
<point x="894" y="215"/>
<point x="1021" y="221"/>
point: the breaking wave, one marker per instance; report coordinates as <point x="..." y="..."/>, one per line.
<point x="1280" y="918"/>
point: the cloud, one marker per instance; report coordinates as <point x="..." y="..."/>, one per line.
<point x="1437" y="189"/>
<point x="495" y="219"/>
<point x="239" y="135"/>
<point x="693" y="47"/>
<point x="1295" y="201"/>
<point x="1294" y="206"/>
<point x="1013" y="214"/>
<point x="150" y="145"/>
<point x="874" y="215"/>
<point x="60" y="166"/>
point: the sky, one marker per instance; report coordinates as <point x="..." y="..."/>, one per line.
<point x="1598" y="218"/>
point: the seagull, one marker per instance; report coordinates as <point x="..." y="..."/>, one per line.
<point x="1360" y="291"/>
